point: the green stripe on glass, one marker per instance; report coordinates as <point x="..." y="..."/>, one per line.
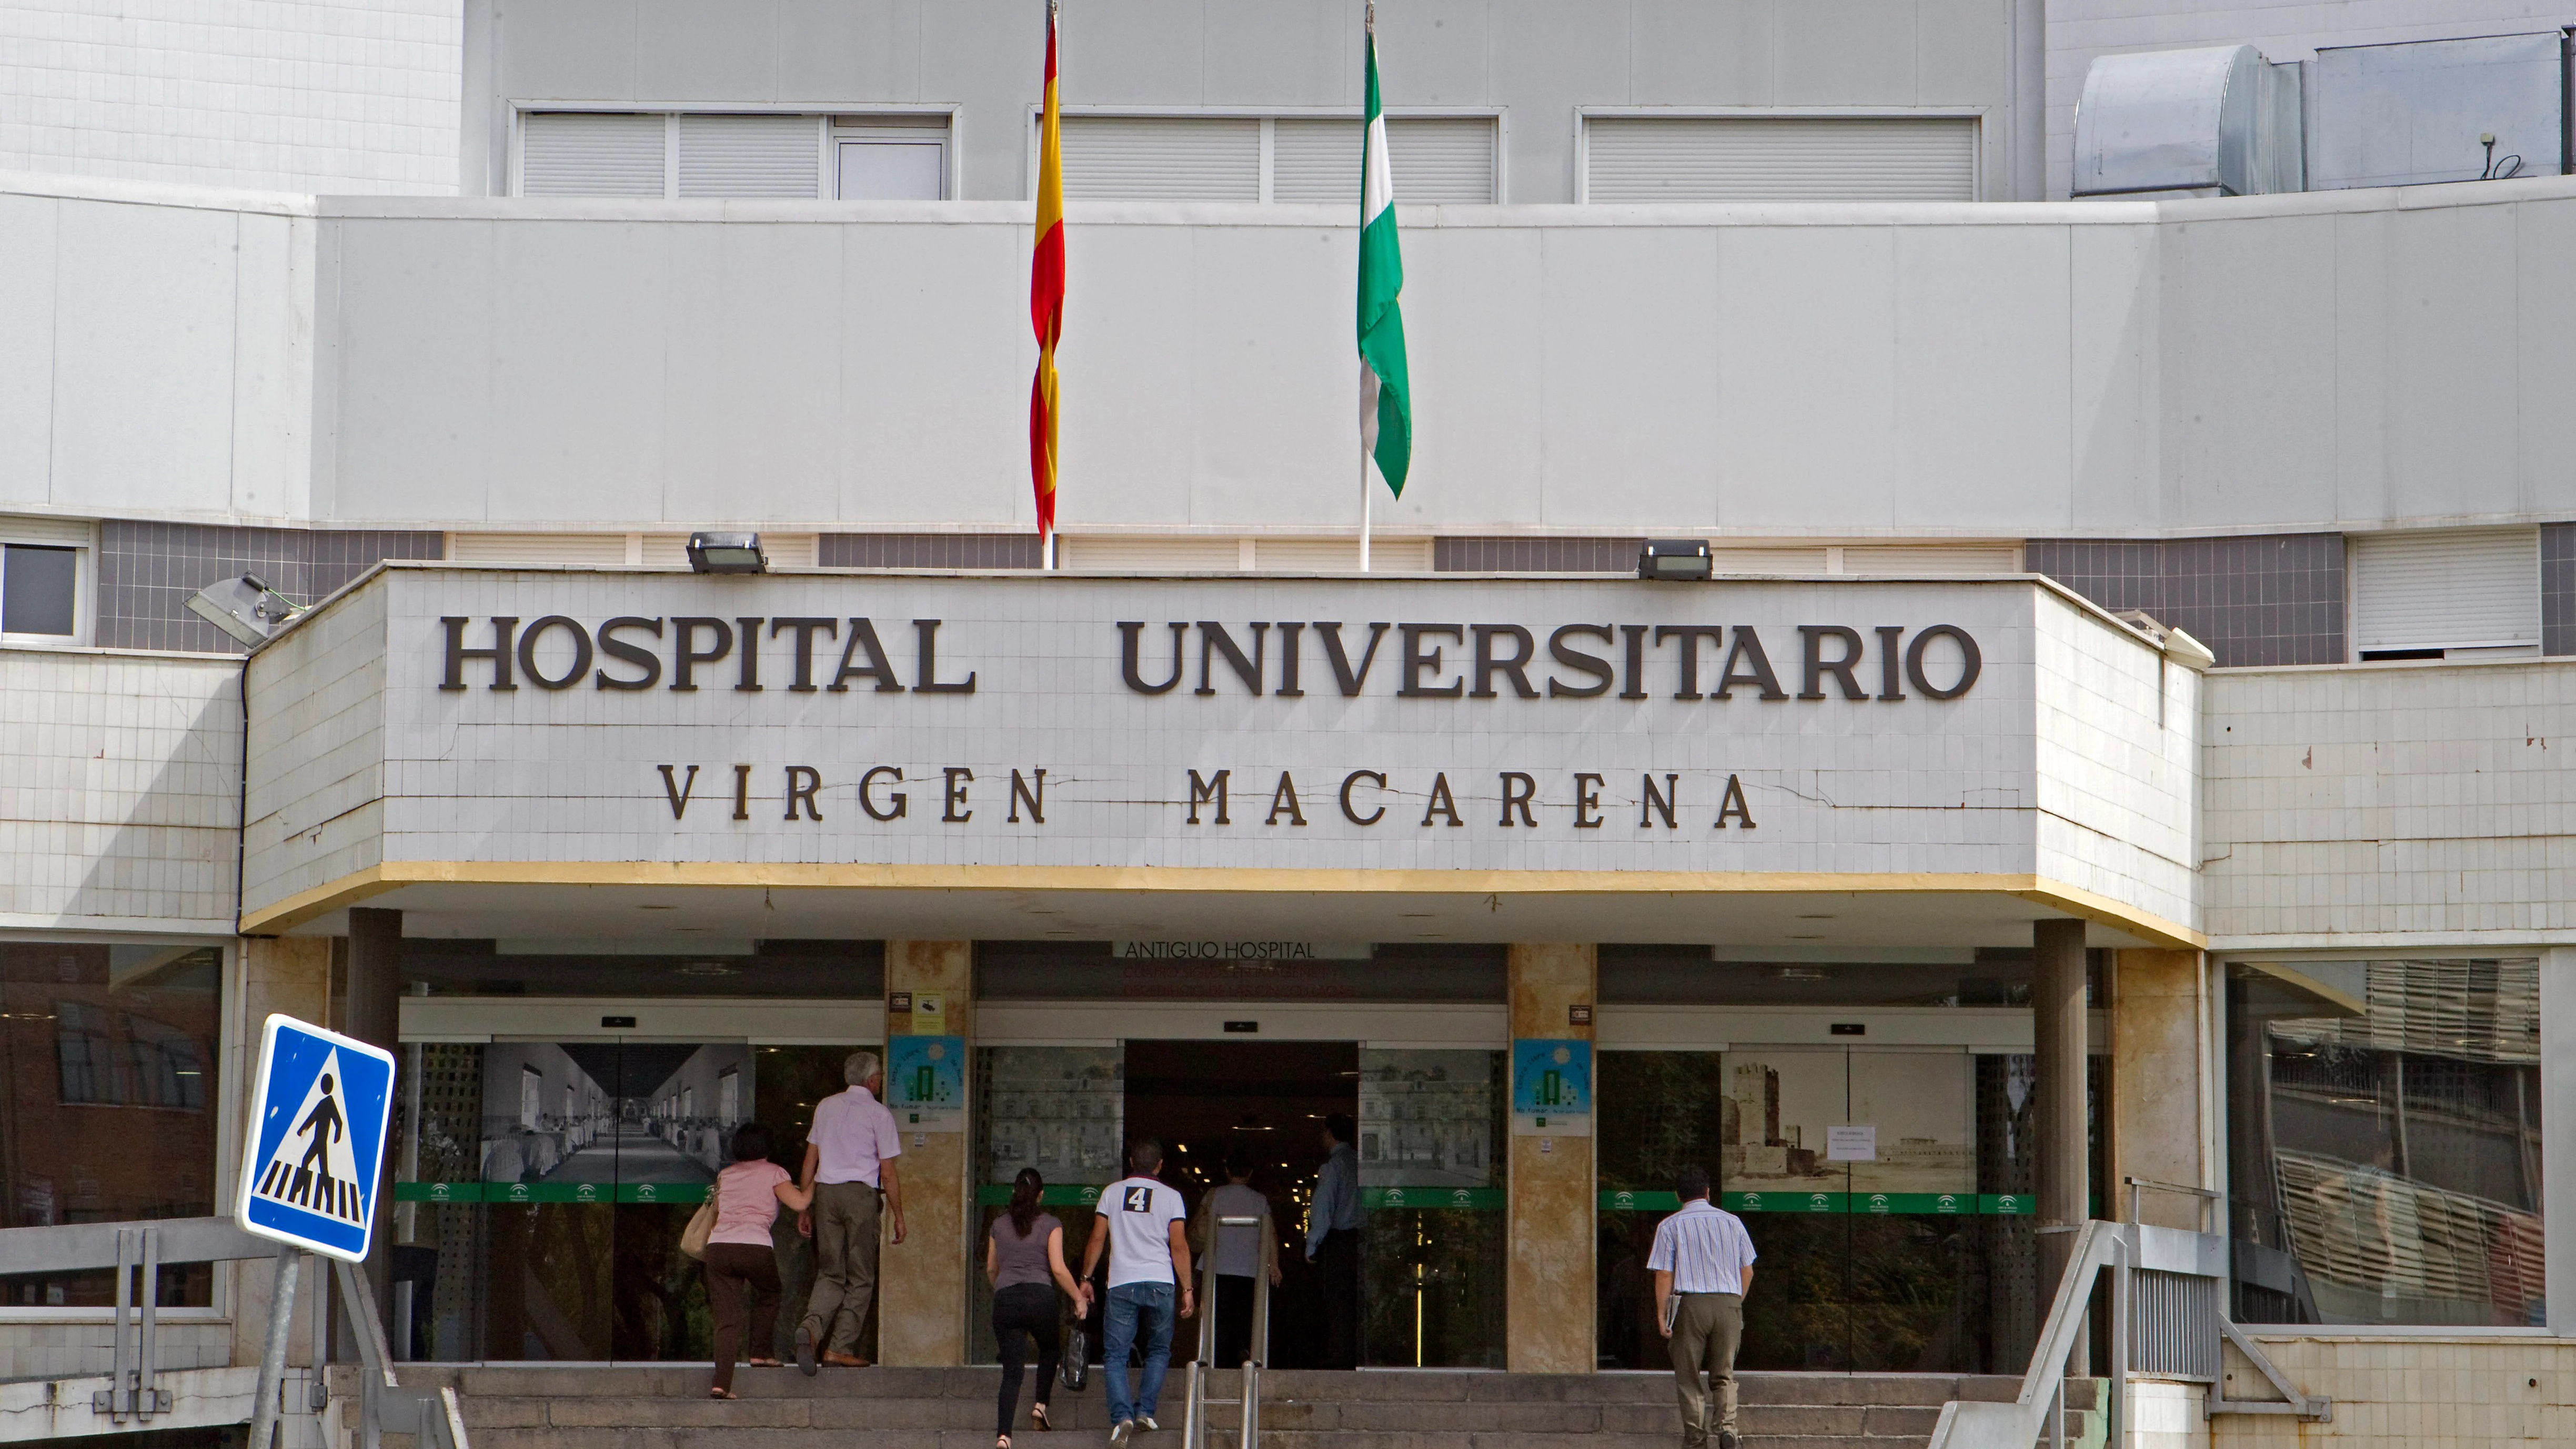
<point x="438" y="1192"/>
<point x="1063" y="1194"/>
<point x="1625" y="1201"/>
<point x="1783" y="1202"/>
<point x="660" y="1194"/>
<point x="1431" y="1199"/>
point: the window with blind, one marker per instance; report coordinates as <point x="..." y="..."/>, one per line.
<point x="1784" y="158"/>
<point x="2426" y="595"/>
<point x="689" y="156"/>
<point x="1436" y="159"/>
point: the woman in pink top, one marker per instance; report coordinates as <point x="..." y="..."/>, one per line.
<point x="740" y="1260"/>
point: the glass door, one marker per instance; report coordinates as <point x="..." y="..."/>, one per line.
<point x="1432" y="1165"/>
<point x="545" y="1186"/>
<point x="1891" y="1230"/>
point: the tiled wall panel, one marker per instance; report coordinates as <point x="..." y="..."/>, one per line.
<point x="2378" y="803"/>
<point x="2254" y="600"/>
<point x="119" y="789"/>
<point x="278" y="95"/>
<point x="2415" y="1392"/>
<point x="148" y="571"/>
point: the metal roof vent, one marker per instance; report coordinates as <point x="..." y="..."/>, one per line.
<point x="2216" y="122"/>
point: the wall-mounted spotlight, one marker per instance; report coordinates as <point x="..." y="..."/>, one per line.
<point x="245" y="608"/>
<point x="1674" y="560"/>
<point x="727" y="553"/>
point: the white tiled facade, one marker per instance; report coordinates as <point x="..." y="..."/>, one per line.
<point x="353" y="96"/>
<point x="2389" y="805"/>
<point x="119" y="791"/>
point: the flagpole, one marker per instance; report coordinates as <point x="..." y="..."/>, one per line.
<point x="1368" y="503"/>
<point x="1368" y="500"/>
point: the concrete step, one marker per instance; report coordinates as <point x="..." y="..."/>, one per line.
<point x="666" y="1407"/>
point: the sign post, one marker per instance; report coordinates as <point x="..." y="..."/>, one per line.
<point x="311" y="1165"/>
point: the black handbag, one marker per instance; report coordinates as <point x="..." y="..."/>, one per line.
<point x="1075" y="1371"/>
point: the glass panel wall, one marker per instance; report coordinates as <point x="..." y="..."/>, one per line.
<point x="1061" y="1111"/>
<point x="1432" y="1166"/>
<point x="110" y="1058"/>
<point x="2385" y="1141"/>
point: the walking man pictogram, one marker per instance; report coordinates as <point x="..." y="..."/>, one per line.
<point x="325" y="1123"/>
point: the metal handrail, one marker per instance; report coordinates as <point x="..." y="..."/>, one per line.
<point x="2042" y="1401"/>
<point x="2100" y="1247"/>
<point x="1194" y="1425"/>
<point x="434" y="1416"/>
<point x="2138" y="1186"/>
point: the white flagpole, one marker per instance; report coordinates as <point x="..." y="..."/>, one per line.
<point x="1368" y="500"/>
<point x="1368" y="503"/>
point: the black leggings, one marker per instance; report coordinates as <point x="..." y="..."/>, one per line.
<point x="1021" y="1312"/>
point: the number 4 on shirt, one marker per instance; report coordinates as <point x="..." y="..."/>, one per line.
<point x="1137" y="1200"/>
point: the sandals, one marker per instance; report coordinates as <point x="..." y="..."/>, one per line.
<point x="722" y="1394"/>
<point x="1038" y="1417"/>
<point x="767" y="1363"/>
<point x="1001" y="1441"/>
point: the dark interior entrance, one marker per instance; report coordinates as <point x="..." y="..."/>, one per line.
<point x="1203" y="1099"/>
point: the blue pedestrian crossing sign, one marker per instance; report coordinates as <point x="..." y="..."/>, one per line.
<point x="316" y="1149"/>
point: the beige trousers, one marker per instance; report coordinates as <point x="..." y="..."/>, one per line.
<point x="845" y="1265"/>
<point x="1706" y="1330"/>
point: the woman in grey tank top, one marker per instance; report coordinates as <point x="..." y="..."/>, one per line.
<point x="1024" y="1260"/>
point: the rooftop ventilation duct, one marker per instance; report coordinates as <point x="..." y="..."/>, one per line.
<point x="2217" y="122"/>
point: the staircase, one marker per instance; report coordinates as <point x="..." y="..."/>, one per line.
<point x="888" y="1408"/>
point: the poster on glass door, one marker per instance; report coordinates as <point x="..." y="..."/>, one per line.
<point x="610" y="1121"/>
<point x="1874" y="1124"/>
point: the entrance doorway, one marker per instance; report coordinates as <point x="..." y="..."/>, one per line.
<point x="1431" y="1163"/>
<point x="1206" y="1100"/>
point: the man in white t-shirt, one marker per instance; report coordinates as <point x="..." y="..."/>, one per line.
<point x="1146" y="1235"/>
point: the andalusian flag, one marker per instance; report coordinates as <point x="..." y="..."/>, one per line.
<point x="1386" y="391"/>
<point x="1046" y="290"/>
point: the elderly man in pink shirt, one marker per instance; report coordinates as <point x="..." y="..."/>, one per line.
<point x="850" y="1168"/>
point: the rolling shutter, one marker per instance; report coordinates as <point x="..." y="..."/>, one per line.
<point x="567" y="153"/>
<point x="1436" y="159"/>
<point x="1860" y="158"/>
<point x="750" y="156"/>
<point x="536" y="548"/>
<point x="2463" y="588"/>
<point x="1163" y="158"/>
<point x="1171" y="554"/>
<point x="1931" y="558"/>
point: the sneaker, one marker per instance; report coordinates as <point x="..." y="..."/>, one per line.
<point x="1121" y="1432"/>
<point x="805" y="1351"/>
<point x="1145" y="1423"/>
<point x="1726" y="1440"/>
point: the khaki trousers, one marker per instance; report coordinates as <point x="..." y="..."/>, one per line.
<point x="845" y="1265"/>
<point x="1706" y="1330"/>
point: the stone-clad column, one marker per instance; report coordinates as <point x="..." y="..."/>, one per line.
<point x="374" y="1016"/>
<point x="922" y="1281"/>
<point x="2158" y="1113"/>
<point x="292" y="975"/>
<point x="1549" y="1292"/>
<point x="2058" y="1038"/>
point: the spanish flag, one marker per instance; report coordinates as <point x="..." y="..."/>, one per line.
<point x="1046" y="290"/>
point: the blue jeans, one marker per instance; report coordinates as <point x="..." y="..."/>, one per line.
<point x="1132" y="1305"/>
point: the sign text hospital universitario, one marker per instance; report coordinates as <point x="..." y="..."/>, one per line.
<point x="1828" y="665"/>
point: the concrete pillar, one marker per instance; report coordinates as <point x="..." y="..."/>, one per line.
<point x="374" y="1016"/>
<point x="922" y="1282"/>
<point x="2058" y="1038"/>
<point x="2159" y="1079"/>
<point x="1552" y="1190"/>
<point x="292" y="975"/>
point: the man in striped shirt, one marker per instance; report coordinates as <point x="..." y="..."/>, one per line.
<point x="1703" y="1266"/>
